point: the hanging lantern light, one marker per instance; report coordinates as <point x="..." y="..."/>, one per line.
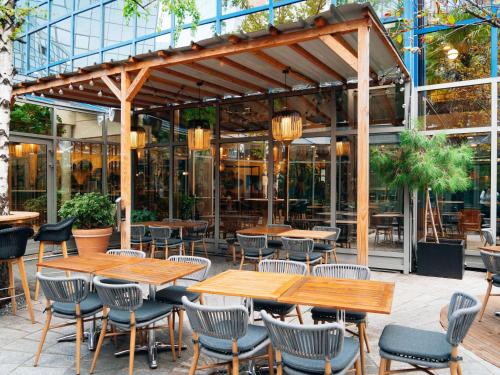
<point x="30" y="149"/>
<point x="137" y="137"/>
<point x="287" y="123"/>
<point x="342" y="148"/>
<point x="199" y="132"/>
<point x="18" y="150"/>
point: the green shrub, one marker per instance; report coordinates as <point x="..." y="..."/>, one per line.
<point x="91" y="210"/>
<point x="138" y="216"/>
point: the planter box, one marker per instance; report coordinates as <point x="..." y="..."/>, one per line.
<point x="443" y="259"/>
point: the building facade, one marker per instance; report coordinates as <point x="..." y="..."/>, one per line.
<point x="72" y="149"/>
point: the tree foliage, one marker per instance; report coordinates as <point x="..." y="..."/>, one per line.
<point x="32" y="118"/>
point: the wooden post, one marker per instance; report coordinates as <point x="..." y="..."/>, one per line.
<point x="125" y="160"/>
<point x="363" y="156"/>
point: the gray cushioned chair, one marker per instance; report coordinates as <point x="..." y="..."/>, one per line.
<point x="301" y="250"/>
<point x="196" y="235"/>
<point x="329" y="246"/>
<point x="276" y="243"/>
<point x="320" y="314"/>
<point x="223" y="333"/>
<point x="254" y="248"/>
<point x="302" y="349"/>
<point x="428" y="349"/>
<point x="173" y="294"/>
<point x="123" y="253"/>
<point x="67" y="298"/>
<point x="492" y="263"/>
<point x="138" y="236"/>
<point x="162" y="239"/>
<point x="487" y="234"/>
<point x="279" y="309"/>
<point x="125" y="308"/>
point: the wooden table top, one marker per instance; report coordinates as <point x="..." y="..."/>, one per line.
<point x="18" y="217"/>
<point x="262" y="231"/>
<point x="353" y="295"/>
<point x="493" y="249"/>
<point x="251" y="284"/>
<point x="310" y="234"/>
<point x="170" y="223"/>
<point x="88" y="264"/>
<point x="151" y="271"/>
<point x="389" y="214"/>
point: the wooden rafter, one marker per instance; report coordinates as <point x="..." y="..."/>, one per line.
<point x="137" y="83"/>
<point x="280" y="66"/>
<point x="340" y="49"/>
<point x="182" y="88"/>
<point x="112" y="86"/>
<point x="314" y="60"/>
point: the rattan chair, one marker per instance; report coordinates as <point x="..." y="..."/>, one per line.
<point x="173" y="294"/>
<point x="329" y="246"/>
<point x="426" y="350"/>
<point x="127" y="253"/>
<point x="162" y="239"/>
<point x="487" y="234"/>
<point x="304" y="350"/>
<point x="276" y="243"/>
<point x="196" y="235"/>
<point x="138" y="236"/>
<point x="52" y="234"/>
<point x="124" y="307"/>
<point x="279" y="309"/>
<point x="254" y="249"/>
<point x="223" y="333"/>
<point x="319" y="314"/>
<point x="68" y="298"/>
<point x="301" y="250"/>
<point x="491" y="261"/>
<point x="13" y="243"/>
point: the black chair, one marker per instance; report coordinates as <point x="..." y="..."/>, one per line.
<point x="52" y="234"/>
<point x="13" y="243"/>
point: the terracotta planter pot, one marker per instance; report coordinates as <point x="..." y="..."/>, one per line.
<point x="91" y="241"/>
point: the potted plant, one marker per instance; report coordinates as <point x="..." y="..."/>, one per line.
<point x="426" y="164"/>
<point x="186" y="206"/>
<point x="94" y="222"/>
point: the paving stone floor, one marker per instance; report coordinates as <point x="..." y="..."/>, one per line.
<point x="417" y="302"/>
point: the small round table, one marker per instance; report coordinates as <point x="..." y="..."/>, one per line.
<point x="18" y="217"/>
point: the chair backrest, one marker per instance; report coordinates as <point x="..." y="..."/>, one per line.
<point x="162" y="233"/>
<point x="137" y="231"/>
<point x="342" y="271"/>
<point x="282" y="266"/>
<point x="64" y="289"/>
<point x="252" y="242"/>
<point x="462" y="311"/>
<point x="198" y="275"/>
<point x="491" y="261"/>
<point x="228" y="323"/>
<point x="488" y="236"/>
<point x="13" y="242"/>
<point x="297" y="245"/>
<point x="325" y="228"/>
<point x="127" y="253"/>
<point x="322" y="341"/>
<point x="199" y="229"/>
<point x="125" y="297"/>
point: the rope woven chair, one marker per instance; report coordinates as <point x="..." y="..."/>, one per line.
<point x="492" y="263"/>
<point x="124" y="307"/>
<point x="223" y="333"/>
<point x="162" y="239"/>
<point x="127" y="253"/>
<point x="196" y="235"/>
<point x="427" y="350"/>
<point x="319" y="314"/>
<point x="173" y="294"/>
<point x="328" y="246"/>
<point x="52" y="234"/>
<point x="254" y="248"/>
<point x="302" y="349"/>
<point x="301" y="250"/>
<point x="276" y="243"/>
<point x="487" y="234"/>
<point x="67" y="298"/>
<point x="279" y="309"/>
<point x="138" y="236"/>
<point x="13" y="243"/>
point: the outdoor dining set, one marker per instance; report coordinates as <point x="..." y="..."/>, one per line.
<point x="295" y="272"/>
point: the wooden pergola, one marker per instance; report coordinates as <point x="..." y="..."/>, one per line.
<point x="346" y="45"/>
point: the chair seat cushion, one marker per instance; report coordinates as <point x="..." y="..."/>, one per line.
<point x="415" y="343"/>
<point x="254" y="336"/>
<point x="89" y="305"/>
<point x="327" y="314"/>
<point x="349" y="352"/>
<point x="496" y="279"/>
<point x="255" y="252"/>
<point x="173" y="295"/>
<point x="231" y="241"/>
<point x="149" y="310"/>
<point x="275" y="244"/>
<point x="170" y="242"/>
<point x="301" y="257"/>
<point x="323" y="247"/>
<point x="272" y="307"/>
<point x="145" y="239"/>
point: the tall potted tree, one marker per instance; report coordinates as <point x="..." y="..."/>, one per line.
<point x="429" y="164"/>
<point x="93" y="226"/>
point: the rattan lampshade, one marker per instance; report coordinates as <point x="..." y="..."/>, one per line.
<point x="199" y="135"/>
<point x="137" y="137"/>
<point x="287" y="125"/>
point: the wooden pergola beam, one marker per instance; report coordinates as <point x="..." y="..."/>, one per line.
<point x="112" y="86"/>
<point x="137" y="83"/>
<point x="314" y="60"/>
<point x="125" y="160"/>
<point x="180" y="87"/>
<point x="340" y="49"/>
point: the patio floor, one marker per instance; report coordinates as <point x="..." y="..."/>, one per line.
<point x="417" y="302"/>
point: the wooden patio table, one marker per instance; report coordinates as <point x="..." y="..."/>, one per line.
<point x="87" y="263"/>
<point x="18" y="217"/>
<point x="309" y="234"/>
<point x="492" y="248"/>
<point x="263" y="231"/>
<point x="171" y="223"/>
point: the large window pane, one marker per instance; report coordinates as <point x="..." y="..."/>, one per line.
<point x="202" y="186"/>
<point x="87" y="31"/>
<point x="37" y="49"/>
<point x="151" y="21"/>
<point x="60" y="8"/>
<point x="183" y="116"/>
<point x="202" y="32"/>
<point x="248" y="23"/>
<point x="182" y="209"/>
<point x="116" y="28"/>
<point x="117" y="54"/>
<point x="157" y="127"/>
<point x="60" y="35"/>
<point x="79" y="125"/>
<point x="247" y="119"/>
<point x="113" y="164"/>
<point x="39" y="17"/>
<point x="301" y="10"/>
